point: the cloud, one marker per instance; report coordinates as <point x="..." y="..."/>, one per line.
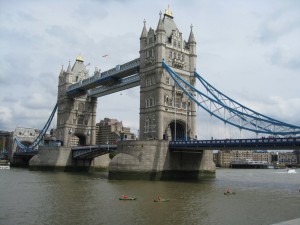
<point x="247" y="49"/>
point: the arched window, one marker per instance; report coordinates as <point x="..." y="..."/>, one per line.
<point x="80" y="107"/>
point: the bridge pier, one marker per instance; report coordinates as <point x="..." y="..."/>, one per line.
<point x="60" y="158"/>
<point x="152" y="160"/>
<point x="21" y="161"/>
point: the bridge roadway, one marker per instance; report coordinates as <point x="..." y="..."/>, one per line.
<point x="289" y="143"/>
<point x="91" y="152"/>
<point x="116" y="79"/>
<point x="27" y="153"/>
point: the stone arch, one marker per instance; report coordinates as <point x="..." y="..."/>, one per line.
<point x="26" y="143"/>
<point x="78" y="139"/>
<point x="176" y="130"/>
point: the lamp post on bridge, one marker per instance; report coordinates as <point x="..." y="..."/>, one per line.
<point x="89" y="135"/>
<point x="186" y="124"/>
<point x="107" y="142"/>
<point x="70" y="133"/>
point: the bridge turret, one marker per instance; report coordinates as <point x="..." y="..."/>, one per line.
<point x="76" y="116"/>
<point x="192" y="47"/>
<point x="143" y="38"/>
<point x="160" y="39"/>
<point x="68" y="74"/>
<point x="61" y="71"/>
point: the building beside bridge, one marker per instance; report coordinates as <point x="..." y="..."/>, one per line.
<point x="109" y="131"/>
<point x="225" y="158"/>
<point x="286" y="158"/>
<point x="5" y="142"/>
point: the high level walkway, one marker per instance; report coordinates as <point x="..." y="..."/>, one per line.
<point x="116" y="79"/>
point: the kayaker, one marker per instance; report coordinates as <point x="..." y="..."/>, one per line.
<point x="228" y="191"/>
<point x="124" y="196"/>
<point x="158" y="198"/>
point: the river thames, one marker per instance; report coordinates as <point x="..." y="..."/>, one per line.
<point x="263" y="196"/>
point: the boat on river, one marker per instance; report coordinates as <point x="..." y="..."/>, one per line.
<point x="291" y="171"/>
<point x="229" y="193"/>
<point x="127" y="198"/>
<point x="5" y="166"/>
<point x="161" y="200"/>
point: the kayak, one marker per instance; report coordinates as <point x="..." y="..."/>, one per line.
<point x="161" y="200"/>
<point x="129" y="198"/>
<point x="229" y="193"/>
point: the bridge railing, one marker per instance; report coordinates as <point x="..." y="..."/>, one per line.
<point x="290" y="142"/>
<point x="119" y="68"/>
<point x="84" y="82"/>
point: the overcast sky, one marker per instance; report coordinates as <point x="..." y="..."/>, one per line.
<point x="249" y="50"/>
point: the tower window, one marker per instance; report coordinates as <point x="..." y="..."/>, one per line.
<point x="150" y="102"/>
<point x="168" y="80"/>
<point x="80" y="119"/>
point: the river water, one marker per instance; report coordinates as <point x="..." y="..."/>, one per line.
<point x="263" y="196"/>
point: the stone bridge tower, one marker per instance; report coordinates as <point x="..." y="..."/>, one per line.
<point x="165" y="111"/>
<point x="76" y="117"/>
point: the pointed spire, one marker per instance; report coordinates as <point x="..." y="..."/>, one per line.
<point x="191" y="37"/>
<point x="144" y="32"/>
<point x="168" y="12"/>
<point x="69" y="67"/>
<point x="61" y="71"/>
<point x="160" y="26"/>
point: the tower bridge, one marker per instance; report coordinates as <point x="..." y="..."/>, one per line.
<point x="166" y="73"/>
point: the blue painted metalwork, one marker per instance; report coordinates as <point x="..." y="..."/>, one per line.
<point x="219" y="96"/>
<point x="244" y="144"/>
<point x="90" y="152"/>
<point x="30" y="148"/>
<point x="240" y="116"/>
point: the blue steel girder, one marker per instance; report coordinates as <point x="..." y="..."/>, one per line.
<point x="91" y="152"/>
<point x="219" y="96"/>
<point x="290" y="143"/>
<point x="38" y="139"/>
<point x="241" y="119"/>
<point x="105" y="78"/>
